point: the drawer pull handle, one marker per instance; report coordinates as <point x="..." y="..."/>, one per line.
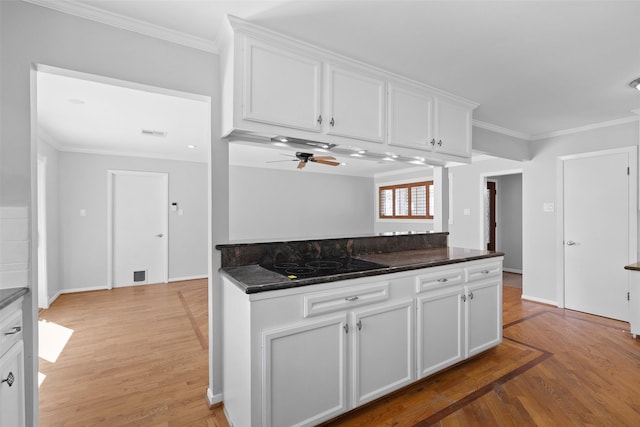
<point x="351" y="299"/>
<point x="485" y="272"/>
<point x="470" y="295"/>
<point x="463" y="298"/>
<point x="359" y="325"/>
<point x="10" y="379"/>
<point x="443" y="280"/>
<point x="14" y="330"/>
<point x="346" y="328"/>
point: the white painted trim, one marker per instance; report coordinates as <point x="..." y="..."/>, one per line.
<point x="111" y="173"/>
<point x="633" y="210"/>
<point x="41" y="237"/>
<point x="86" y="11"/>
<point x="540" y="300"/>
<point x="145" y="155"/>
<point x="511" y="270"/>
<point x="502" y="130"/>
<point x="586" y="128"/>
<point x="483" y="186"/>
<point x="212" y="399"/>
<point x="182" y="279"/>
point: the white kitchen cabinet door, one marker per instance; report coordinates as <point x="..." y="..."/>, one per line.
<point x="440" y="329"/>
<point x="356" y="105"/>
<point x="452" y="128"/>
<point x="410" y="117"/>
<point x="12" y="387"/>
<point x="383" y="350"/>
<point x="483" y="315"/>
<point x="282" y="87"/>
<point x="305" y="373"/>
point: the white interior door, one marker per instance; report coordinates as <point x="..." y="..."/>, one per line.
<point x="596" y="234"/>
<point x="139" y="227"/>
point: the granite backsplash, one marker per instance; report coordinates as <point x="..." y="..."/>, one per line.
<point x="239" y="254"/>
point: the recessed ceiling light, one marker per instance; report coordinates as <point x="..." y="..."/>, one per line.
<point x="355" y="155"/>
<point x="75" y="101"/>
<point x="191" y="146"/>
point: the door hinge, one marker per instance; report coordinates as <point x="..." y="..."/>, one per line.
<point x="628" y="170"/>
<point x="628" y="296"/>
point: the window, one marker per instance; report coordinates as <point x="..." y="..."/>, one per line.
<point x="414" y="200"/>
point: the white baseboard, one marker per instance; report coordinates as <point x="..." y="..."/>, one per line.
<point x="511" y="270"/>
<point x="212" y="399"/>
<point x="540" y="300"/>
<point x="180" y="279"/>
<point x="73" y="291"/>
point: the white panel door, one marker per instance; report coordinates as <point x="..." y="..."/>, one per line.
<point x="139" y="226"/>
<point x="383" y="352"/>
<point x="596" y="234"/>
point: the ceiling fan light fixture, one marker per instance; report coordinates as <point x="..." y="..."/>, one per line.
<point x="635" y="84"/>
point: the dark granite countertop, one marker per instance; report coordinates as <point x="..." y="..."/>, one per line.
<point x="7" y="296"/>
<point x="253" y="278"/>
<point x="633" y="267"/>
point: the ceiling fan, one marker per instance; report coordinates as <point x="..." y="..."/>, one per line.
<point x="304" y="158"/>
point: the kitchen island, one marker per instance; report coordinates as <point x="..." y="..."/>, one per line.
<point x="300" y="349"/>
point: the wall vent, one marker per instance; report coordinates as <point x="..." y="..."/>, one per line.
<point x="152" y="132"/>
<point x="140" y="276"/>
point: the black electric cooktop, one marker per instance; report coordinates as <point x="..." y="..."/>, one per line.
<point x="319" y="268"/>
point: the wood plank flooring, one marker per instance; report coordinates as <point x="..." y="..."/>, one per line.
<point x="138" y="357"/>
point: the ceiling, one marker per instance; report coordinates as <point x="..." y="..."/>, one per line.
<point x="535" y="67"/>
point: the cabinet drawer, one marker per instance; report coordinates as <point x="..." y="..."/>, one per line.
<point x="483" y="271"/>
<point x="356" y="296"/>
<point x="11" y="329"/>
<point x="439" y="279"/>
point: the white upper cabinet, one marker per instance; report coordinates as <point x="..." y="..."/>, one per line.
<point x="356" y="104"/>
<point x="410" y="117"/>
<point x="282" y="87"/>
<point x="273" y="85"/>
<point x="452" y="127"/>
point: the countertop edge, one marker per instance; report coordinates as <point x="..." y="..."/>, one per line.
<point x="9" y="295"/>
<point x="289" y="284"/>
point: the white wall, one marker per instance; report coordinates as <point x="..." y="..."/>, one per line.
<point x="83" y="240"/>
<point x="539" y="185"/>
<point x="509" y="212"/>
<point x="53" y="236"/>
<point x="268" y="204"/>
<point x="411" y="175"/>
<point x="31" y="34"/>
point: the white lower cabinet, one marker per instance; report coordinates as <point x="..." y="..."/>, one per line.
<point x="456" y="322"/>
<point x="12" y="389"/>
<point x="344" y="361"/>
<point x="301" y="356"/>
<point x="305" y="373"/>
<point x="483" y="315"/>
<point x="383" y="350"/>
<point x="440" y="329"/>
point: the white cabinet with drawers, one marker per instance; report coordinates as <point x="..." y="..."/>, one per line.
<point x="304" y="355"/>
<point x="12" y="388"/>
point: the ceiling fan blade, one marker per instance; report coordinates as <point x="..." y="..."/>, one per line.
<point x="278" y="161"/>
<point x="324" y="157"/>
<point x="325" y="162"/>
<point x="301" y="165"/>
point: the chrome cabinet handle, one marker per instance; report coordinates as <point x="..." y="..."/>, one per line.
<point x="350" y="299"/>
<point x="470" y="295"/>
<point x="159" y="235"/>
<point x="485" y="272"/>
<point x="443" y="280"/>
<point x="319" y="119"/>
<point x="463" y="298"/>
<point x="433" y="142"/>
<point x="570" y="243"/>
<point x="440" y="143"/>
<point x="14" y="330"/>
<point x="10" y="379"/>
<point x="346" y="328"/>
<point x="359" y="325"/>
<point x="332" y="122"/>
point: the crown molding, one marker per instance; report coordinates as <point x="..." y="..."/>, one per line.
<point x="501" y="130"/>
<point x="587" y="127"/>
<point x="93" y="13"/>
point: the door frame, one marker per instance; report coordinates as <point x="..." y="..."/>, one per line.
<point x="43" y="275"/>
<point x="496" y="215"/>
<point x="633" y="211"/>
<point x="484" y="177"/>
<point x="111" y="174"/>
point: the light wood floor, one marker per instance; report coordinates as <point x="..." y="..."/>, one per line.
<point x="138" y="357"/>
